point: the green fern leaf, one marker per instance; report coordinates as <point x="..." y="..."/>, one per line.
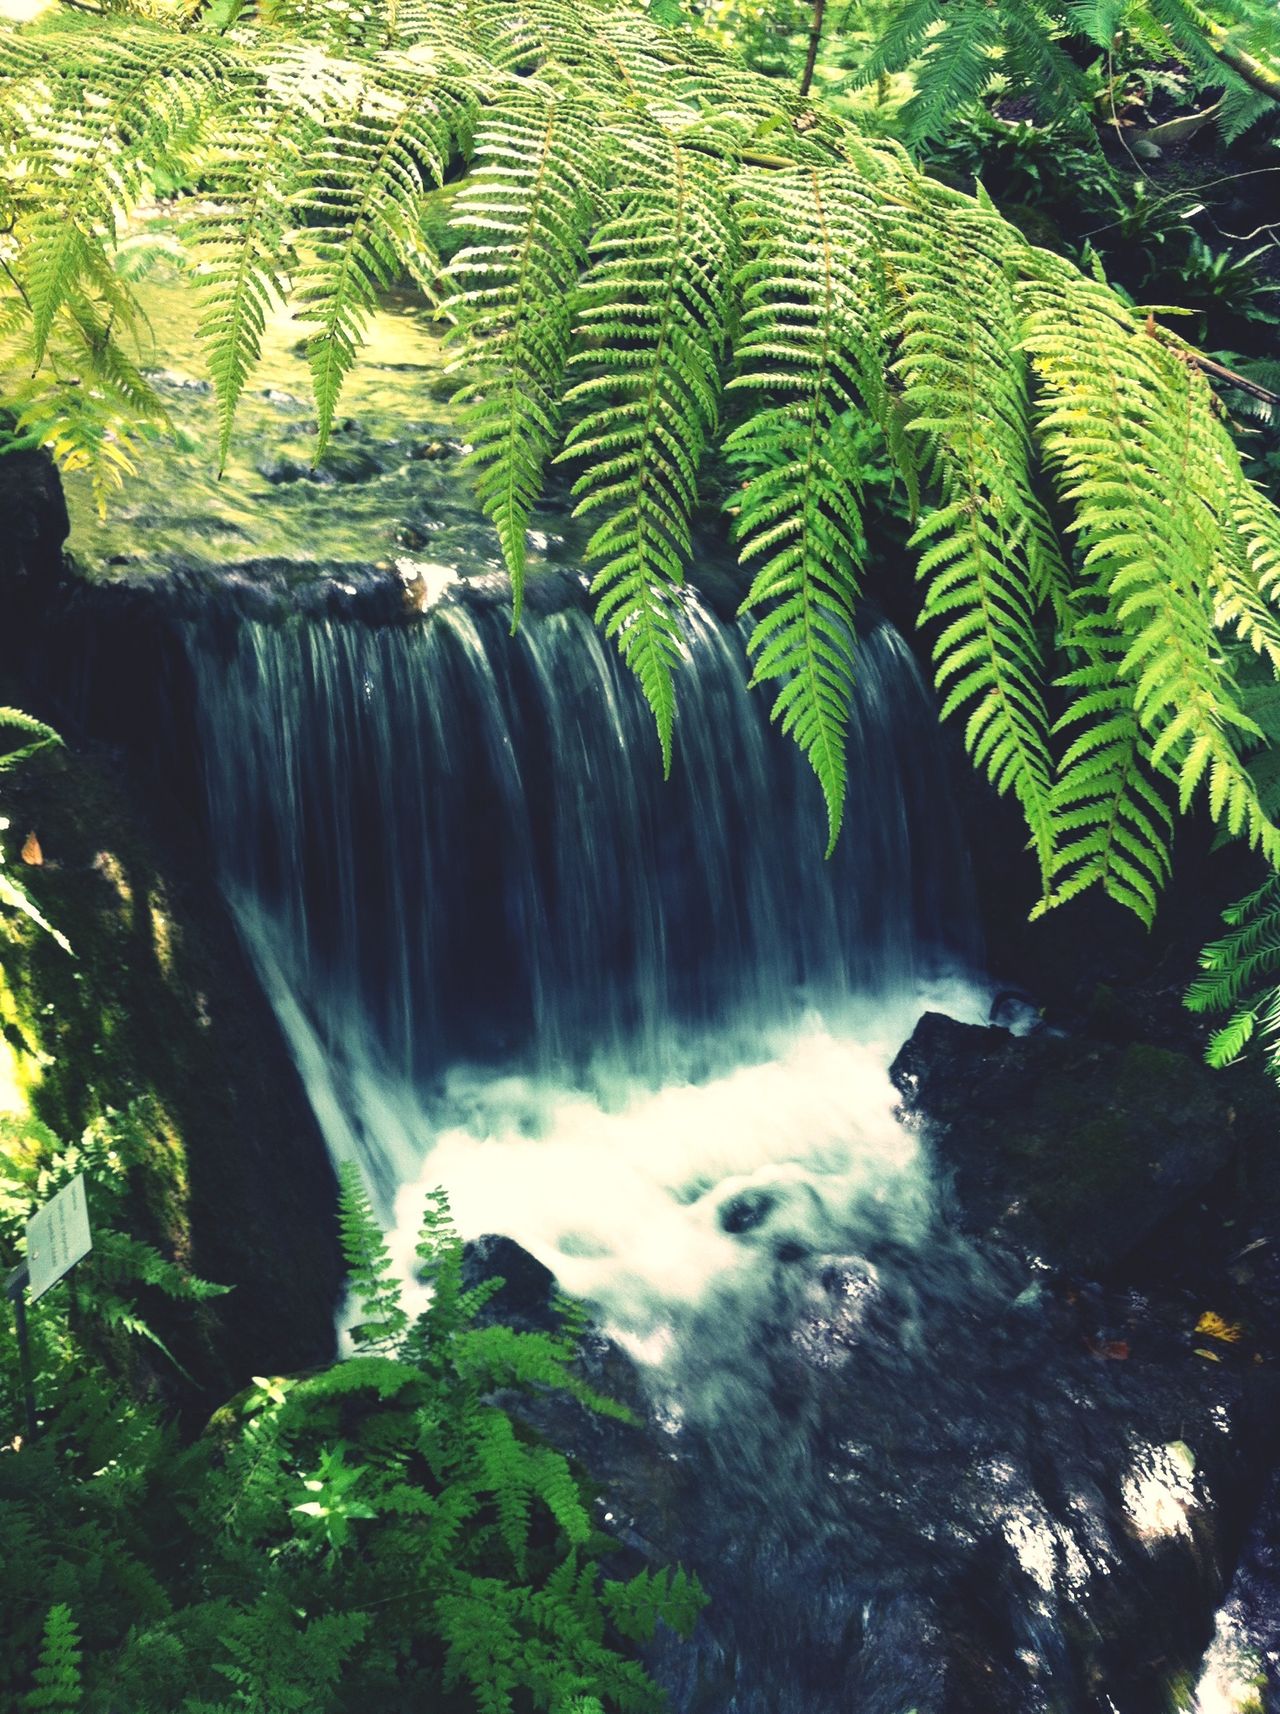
<point x="58" y="1687"/>
<point x="527" y="208"/>
<point x="654" y="314"/>
<point x="811" y="333"/>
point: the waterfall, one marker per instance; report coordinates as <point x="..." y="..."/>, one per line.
<point x="448" y="846"/>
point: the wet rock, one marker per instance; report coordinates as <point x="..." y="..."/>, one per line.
<point x="340" y="464"/>
<point x="745" y="1212"/>
<point x="525" y="1300"/>
<point x="1073" y="1149"/>
<point x="431" y="451"/>
<point x="178" y="382"/>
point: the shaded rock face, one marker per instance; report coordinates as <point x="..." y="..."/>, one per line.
<point x="35" y="526"/>
<point x="1075" y="1150"/>
<point x="159" y="1012"/>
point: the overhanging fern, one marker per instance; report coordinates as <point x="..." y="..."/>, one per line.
<point x="653" y="239"/>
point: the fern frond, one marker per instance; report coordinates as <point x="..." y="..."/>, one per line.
<point x="58" y="1688"/>
<point x="527" y="210"/>
<point x="811" y="337"/>
<point x="33" y="735"/>
<point x="372" y="1275"/>
<point x="368" y="181"/>
<point x="1137" y="454"/>
<point x="108" y="112"/>
<point x="990" y="558"/>
<point x="1240" y="974"/>
<point x="274" y="122"/>
<point x="1113" y="827"/>
<point x="653" y="320"/>
<point x="955" y="69"/>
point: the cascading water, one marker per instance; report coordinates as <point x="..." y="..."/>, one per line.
<point x="454" y="849"/>
<point x="643" y="1028"/>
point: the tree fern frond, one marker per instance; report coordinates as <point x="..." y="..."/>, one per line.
<point x="368" y="180"/>
<point x="108" y="114"/>
<point x="1113" y="827"/>
<point x="990" y="556"/>
<point x="653" y="321"/>
<point x="527" y="210"/>
<point x="275" y="122"/>
<point x="1239" y="975"/>
<point x="1136" y="453"/>
<point x="811" y="336"/>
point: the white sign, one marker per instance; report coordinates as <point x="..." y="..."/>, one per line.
<point x="58" y="1237"/>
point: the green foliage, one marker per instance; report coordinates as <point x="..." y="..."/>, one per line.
<point x="526" y="212"/>
<point x="57" y="1673"/>
<point x="653" y="324"/>
<point x="959" y="51"/>
<point x="381" y="1533"/>
<point x="653" y="238"/>
<point x="811" y="336"/>
<point x="1239" y="977"/>
<point x="34" y="1166"/>
<point x="33" y="735"/>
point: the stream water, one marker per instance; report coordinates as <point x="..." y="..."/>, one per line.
<point x="644" y="1029"/>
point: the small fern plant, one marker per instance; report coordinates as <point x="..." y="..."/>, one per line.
<point x="384" y="1533"/>
<point x="420" y="1522"/>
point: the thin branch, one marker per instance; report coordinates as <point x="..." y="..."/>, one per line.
<point x="815" y="42"/>
<point x="1229" y="378"/>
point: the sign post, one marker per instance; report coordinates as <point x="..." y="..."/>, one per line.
<point x="15" y="1285"/>
<point x="58" y="1237"/>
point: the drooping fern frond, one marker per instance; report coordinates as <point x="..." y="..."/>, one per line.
<point x="1240" y="976"/>
<point x="527" y="211"/>
<point x="811" y="336"/>
<point x="652" y="326"/>
<point x="990" y="556"/>
<point x="1144" y="463"/>
<point x="655" y="239"/>
<point x="273" y="123"/>
<point x="369" y="177"/>
<point x="1109" y="807"/>
<point x="111" y="108"/>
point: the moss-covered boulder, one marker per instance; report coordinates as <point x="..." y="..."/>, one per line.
<point x="1072" y="1148"/>
<point x="155" y="1012"/>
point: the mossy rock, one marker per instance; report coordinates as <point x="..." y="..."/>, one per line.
<point x="1071" y="1148"/>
